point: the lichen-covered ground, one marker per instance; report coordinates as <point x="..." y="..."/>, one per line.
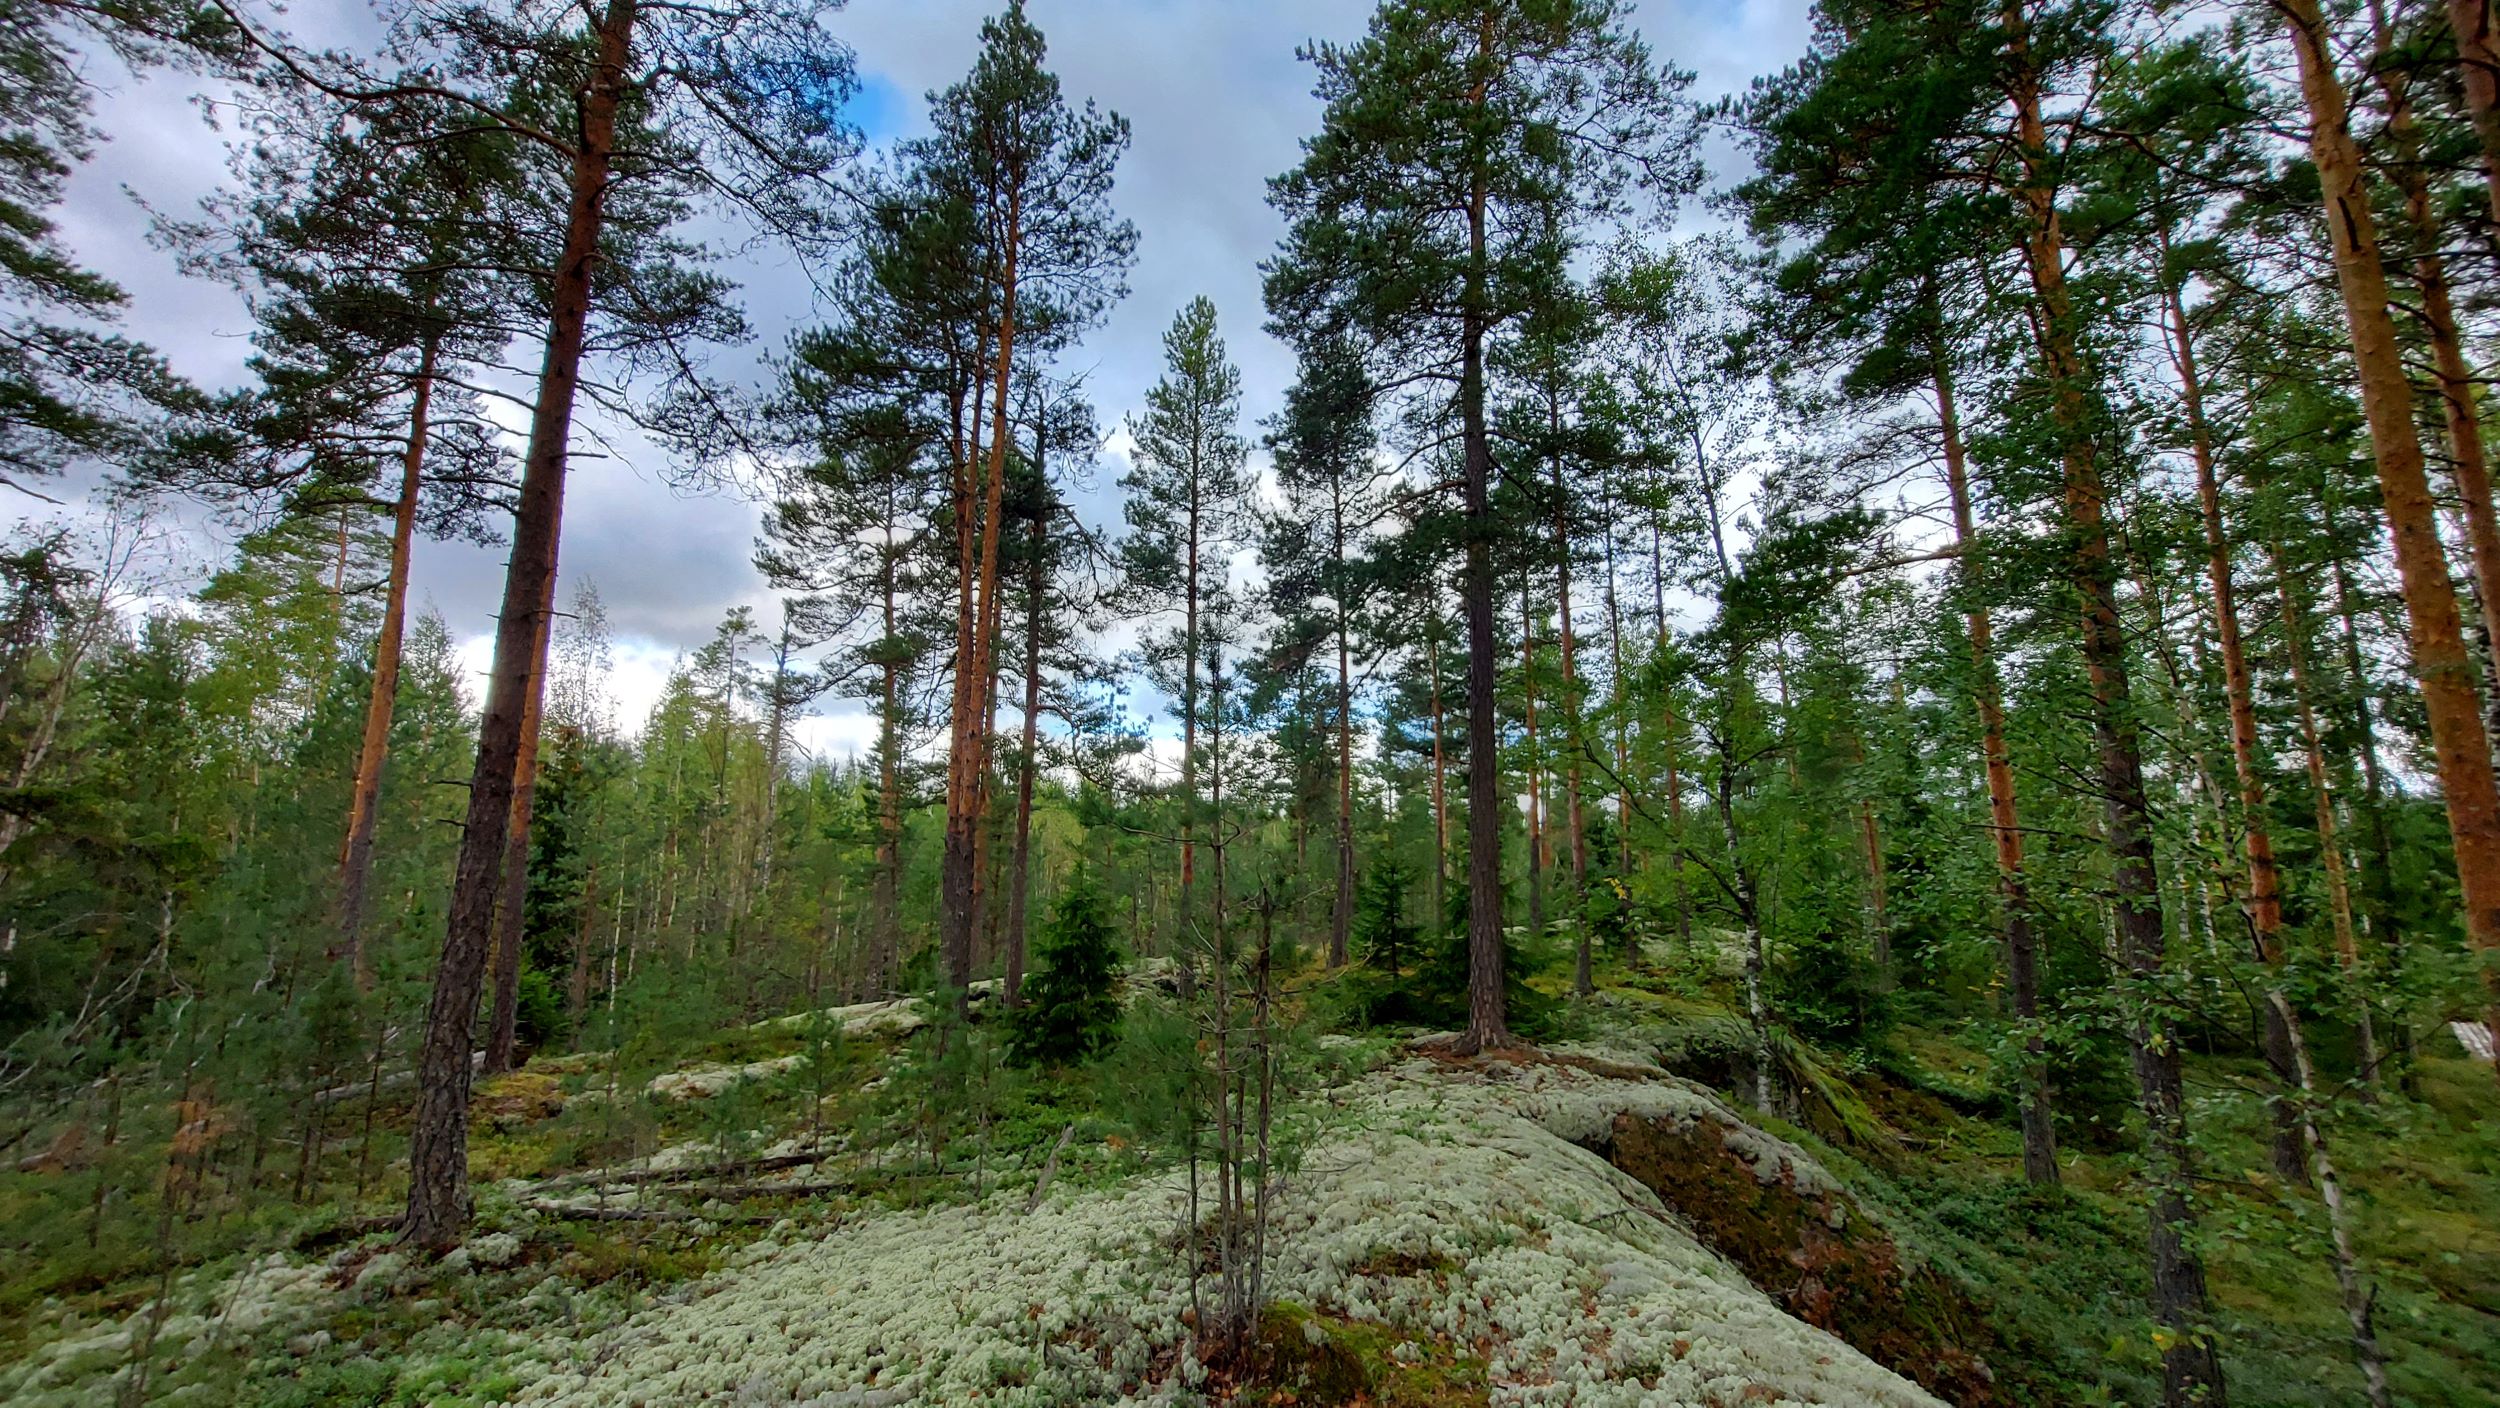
<point x="769" y="1215"/>
<point x="1450" y="1207"/>
<point x="1447" y="1204"/>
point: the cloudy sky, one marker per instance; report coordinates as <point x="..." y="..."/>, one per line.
<point x="1217" y="101"/>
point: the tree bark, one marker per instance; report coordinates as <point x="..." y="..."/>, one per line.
<point x="2263" y="908"/>
<point x="1622" y="715"/>
<point x="364" y="807"/>
<point x="1020" y="874"/>
<point x="512" y="895"/>
<point x="2191" y="1370"/>
<point x="2322" y="799"/>
<point x="2478" y="70"/>
<point x="978" y="504"/>
<point x="1189" y="723"/>
<point x="886" y="939"/>
<point x="2022" y="955"/>
<point x="1488" y="1022"/>
<point x="2469" y="465"/>
<point x="1341" y="916"/>
<point x="2450" y="699"/>
<point x="1440" y="801"/>
<point x="1531" y="769"/>
<point x="1671" y="738"/>
<point x="1583" y="980"/>
<point x="438" y="1190"/>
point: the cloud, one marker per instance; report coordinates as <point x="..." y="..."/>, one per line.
<point x="1218" y="104"/>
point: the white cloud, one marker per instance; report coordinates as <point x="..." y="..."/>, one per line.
<point x="1218" y="102"/>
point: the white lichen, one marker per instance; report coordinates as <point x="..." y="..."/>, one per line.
<point x="1453" y="1203"/>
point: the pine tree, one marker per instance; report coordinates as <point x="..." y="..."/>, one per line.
<point x="1320" y="579"/>
<point x="1188" y="511"/>
<point x="1018" y="183"/>
<point x="730" y="102"/>
<point x="1464" y="146"/>
<point x="1071" y="1009"/>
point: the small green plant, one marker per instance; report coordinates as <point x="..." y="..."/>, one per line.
<point x="1071" y="1013"/>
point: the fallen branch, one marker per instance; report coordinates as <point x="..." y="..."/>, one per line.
<point x="692" y="1173"/>
<point x="1050" y="1167"/>
<point x="782" y="1190"/>
<point x="596" y="1213"/>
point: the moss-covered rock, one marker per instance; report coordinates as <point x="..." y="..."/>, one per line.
<point x="1325" y="1361"/>
<point x="1820" y="1255"/>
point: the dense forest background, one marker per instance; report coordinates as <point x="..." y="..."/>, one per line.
<point x="2004" y="552"/>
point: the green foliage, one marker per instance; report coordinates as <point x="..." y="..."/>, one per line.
<point x="1823" y="984"/>
<point x="1433" y="993"/>
<point x="1071" y="1008"/>
<point x="540" y="1019"/>
<point x="1385" y="935"/>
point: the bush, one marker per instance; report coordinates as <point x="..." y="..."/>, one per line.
<point x="1433" y="993"/>
<point x="1822" y="983"/>
<point x="539" y="1019"/>
<point x="1070" y="1012"/>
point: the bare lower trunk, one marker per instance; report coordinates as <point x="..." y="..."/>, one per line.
<point x="1184" y="915"/>
<point x="1574" y="823"/>
<point x="1020" y="876"/>
<point x="2003" y="814"/>
<point x="1341" y="915"/>
<point x="2264" y="905"/>
<point x="1488" y="1022"/>
<point x="979" y="500"/>
<point x="438" y="1190"/>
<point x="1440" y="804"/>
<point x="1671" y="740"/>
<point x="1532" y="770"/>
<point x="1623" y="742"/>
<point x="2322" y="799"/>
<point x="2378" y="912"/>
<point x="364" y="807"/>
<point x="885" y="924"/>
<point x="2357" y="1298"/>
<point x="512" y="898"/>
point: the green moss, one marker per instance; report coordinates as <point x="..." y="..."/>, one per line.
<point x="1307" y="1357"/>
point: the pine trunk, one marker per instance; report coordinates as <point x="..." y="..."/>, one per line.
<point x="885" y="941"/>
<point x="2191" y="1370"/>
<point x="2322" y="799"/>
<point x="1341" y="915"/>
<point x="979" y="498"/>
<point x="512" y="895"/>
<point x="1583" y="979"/>
<point x="1530" y="768"/>
<point x="2022" y="955"/>
<point x="2264" y="906"/>
<point x="438" y="1190"/>
<point x="1488" y="1022"/>
<point x="1020" y="876"/>
<point x="2451" y="701"/>
<point x="1440" y="803"/>
<point x="364" y="807"/>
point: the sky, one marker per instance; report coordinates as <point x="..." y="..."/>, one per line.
<point x="1217" y="102"/>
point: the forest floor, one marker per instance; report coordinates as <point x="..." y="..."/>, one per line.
<point x="778" y="1214"/>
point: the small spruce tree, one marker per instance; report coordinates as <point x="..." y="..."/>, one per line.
<point x="1070" y="1013"/>
<point x="1386" y="937"/>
